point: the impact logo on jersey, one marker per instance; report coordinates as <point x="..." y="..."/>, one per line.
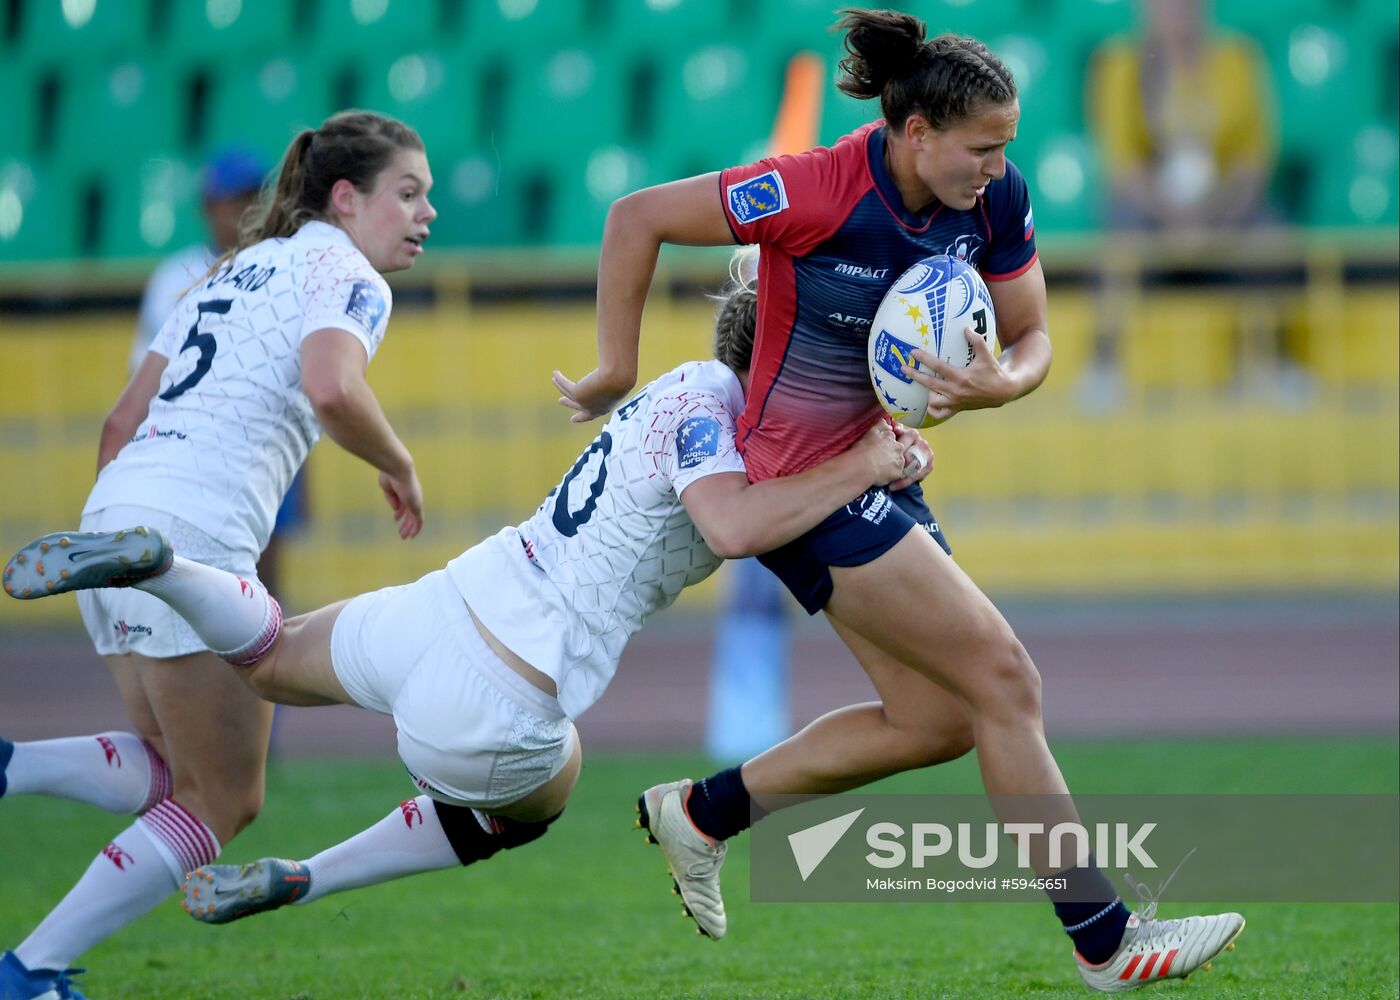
<point x="757" y="198"/>
<point x="696" y="440"/>
<point x="366" y="305"/>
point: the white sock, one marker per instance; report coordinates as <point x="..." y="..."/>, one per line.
<point x="407" y="841"/>
<point x="135" y="872"/>
<point x="119" y="772"/>
<point x="236" y="618"/>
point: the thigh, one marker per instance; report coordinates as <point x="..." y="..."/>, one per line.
<point x="912" y="703"/>
<point x="858" y="533"/>
<point x="300" y="669"/>
<point x="213" y="732"/>
<point x="915" y="604"/>
<point x="131" y="687"/>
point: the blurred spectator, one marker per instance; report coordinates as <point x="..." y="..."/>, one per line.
<point x="230" y="184"/>
<point x="1184" y="121"/>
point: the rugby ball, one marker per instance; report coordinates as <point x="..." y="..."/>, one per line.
<point x="927" y="308"/>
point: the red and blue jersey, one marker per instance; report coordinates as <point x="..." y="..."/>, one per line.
<point x="835" y="235"/>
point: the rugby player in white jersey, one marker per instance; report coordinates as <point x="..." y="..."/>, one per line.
<point x="485" y="663"/>
<point x="261" y="354"/>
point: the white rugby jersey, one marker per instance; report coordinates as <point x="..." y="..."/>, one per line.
<point x="611" y="544"/>
<point x="230" y="424"/>
<point x="175" y="274"/>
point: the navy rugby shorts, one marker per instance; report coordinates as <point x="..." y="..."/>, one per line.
<point x="858" y="533"/>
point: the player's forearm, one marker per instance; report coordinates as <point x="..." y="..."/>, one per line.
<point x="1027" y="361"/>
<point x="116" y="432"/>
<point x="626" y="264"/>
<point x="766" y="515"/>
<point x="353" y="419"/>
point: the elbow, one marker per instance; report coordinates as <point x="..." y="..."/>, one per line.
<point x="623" y="213"/>
<point x="329" y="399"/>
<point x="733" y="543"/>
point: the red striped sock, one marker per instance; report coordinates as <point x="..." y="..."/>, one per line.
<point x="182" y="839"/>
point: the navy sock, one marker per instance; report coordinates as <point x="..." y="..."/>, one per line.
<point x="719" y="805"/>
<point x="7" y="750"/>
<point x="1093" y="915"/>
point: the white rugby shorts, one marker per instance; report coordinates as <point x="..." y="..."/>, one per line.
<point x="121" y="620"/>
<point x="471" y="730"/>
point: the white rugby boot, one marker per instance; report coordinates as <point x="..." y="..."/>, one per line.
<point x="694" y="859"/>
<point x="86" y="560"/>
<point x="218" y="894"/>
<point x="1155" y="950"/>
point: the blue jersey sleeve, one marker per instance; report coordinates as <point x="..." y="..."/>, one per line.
<point x="1007" y="203"/>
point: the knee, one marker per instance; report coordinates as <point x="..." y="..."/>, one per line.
<point x="247" y="807"/>
<point x="258" y="677"/>
<point x="926" y="743"/>
<point x="228" y="809"/>
<point x="475" y="836"/>
<point x="1012" y="681"/>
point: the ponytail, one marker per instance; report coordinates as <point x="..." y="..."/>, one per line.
<point x="737" y="316"/>
<point x="945" y="80"/>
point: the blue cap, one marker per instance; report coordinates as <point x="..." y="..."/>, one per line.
<point x="232" y="172"/>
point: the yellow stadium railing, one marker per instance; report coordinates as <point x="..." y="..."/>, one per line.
<point x="1193" y="484"/>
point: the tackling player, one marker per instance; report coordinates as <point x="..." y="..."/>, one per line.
<point x="485" y="663"/>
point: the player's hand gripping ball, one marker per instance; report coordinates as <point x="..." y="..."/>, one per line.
<point x="928" y="308"/>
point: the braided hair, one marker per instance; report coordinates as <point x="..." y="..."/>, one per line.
<point x="945" y="79"/>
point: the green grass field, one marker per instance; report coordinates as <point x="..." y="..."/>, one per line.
<point x="587" y="912"/>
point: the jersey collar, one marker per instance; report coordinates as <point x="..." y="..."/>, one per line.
<point x="888" y="191"/>
<point x="325" y="231"/>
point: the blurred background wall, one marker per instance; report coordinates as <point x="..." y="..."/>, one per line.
<point x="1250" y="445"/>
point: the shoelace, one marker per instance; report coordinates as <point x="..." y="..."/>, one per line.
<point x="63" y="982"/>
<point x="708" y="866"/>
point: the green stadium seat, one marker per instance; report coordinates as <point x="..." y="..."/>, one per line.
<point x="110" y="112"/>
<point x="717" y="104"/>
<point x="477" y="207"/>
<point x="583" y="195"/>
<point x="662" y="20"/>
<point x="1357" y="184"/>
<point x="360" y="27"/>
<point x="20" y="81"/>
<point x="146" y="207"/>
<point x="1063" y="177"/>
<point x="516" y="26"/>
<point x="1264" y="21"/>
<point x="978" y="18"/>
<point x="1321" y="77"/>
<point x="264" y="101"/>
<point x="578" y="91"/>
<point x="203" y="30"/>
<point x="38" y="219"/>
<point x="428" y="89"/>
<point x="79" y="33"/>
<point x="842" y="114"/>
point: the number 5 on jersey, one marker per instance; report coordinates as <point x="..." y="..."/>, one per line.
<point x="207" y="347"/>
